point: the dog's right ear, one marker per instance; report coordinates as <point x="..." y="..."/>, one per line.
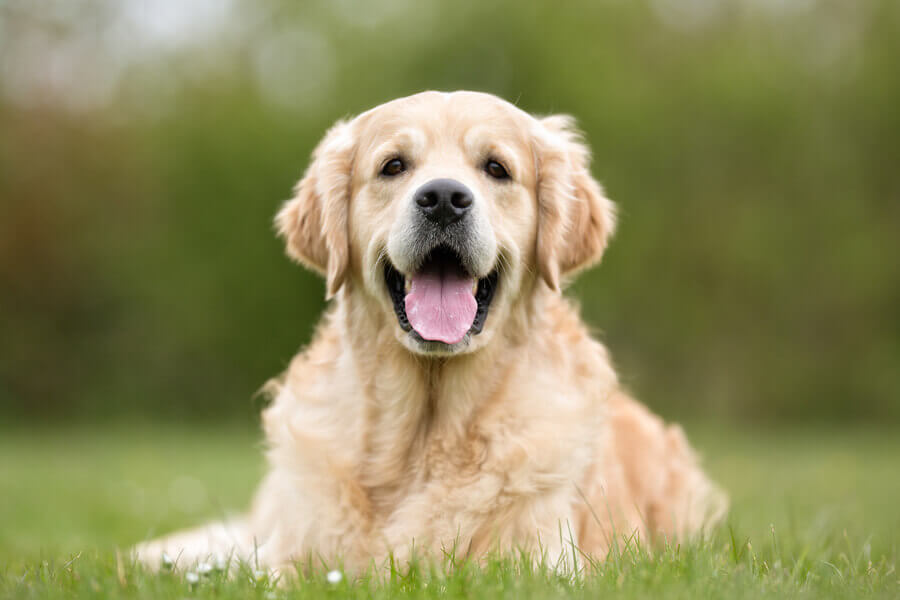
<point x="314" y="222"/>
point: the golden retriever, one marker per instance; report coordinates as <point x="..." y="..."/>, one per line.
<point x="452" y="396"/>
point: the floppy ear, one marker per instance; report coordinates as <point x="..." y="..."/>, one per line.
<point x="314" y="222"/>
<point x="575" y="218"/>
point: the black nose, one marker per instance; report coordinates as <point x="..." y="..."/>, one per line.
<point x="444" y="201"/>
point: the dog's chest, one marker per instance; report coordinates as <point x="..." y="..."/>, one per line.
<point x="389" y="475"/>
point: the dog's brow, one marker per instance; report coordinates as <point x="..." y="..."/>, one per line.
<point x="408" y="139"/>
<point x="482" y="142"/>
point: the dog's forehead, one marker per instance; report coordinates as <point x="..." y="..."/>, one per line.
<point x="466" y="117"/>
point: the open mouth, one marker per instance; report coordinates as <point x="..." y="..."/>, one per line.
<point x="441" y="302"/>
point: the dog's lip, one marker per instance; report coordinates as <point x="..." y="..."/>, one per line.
<point x="396" y="286"/>
<point x="396" y="281"/>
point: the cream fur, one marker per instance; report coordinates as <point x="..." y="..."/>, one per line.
<point x="521" y="437"/>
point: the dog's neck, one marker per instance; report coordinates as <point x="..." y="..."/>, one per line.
<point x="413" y="403"/>
<point x="432" y="387"/>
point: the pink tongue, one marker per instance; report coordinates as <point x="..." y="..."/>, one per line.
<point x="440" y="306"/>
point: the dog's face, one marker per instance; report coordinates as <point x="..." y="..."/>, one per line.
<point x="443" y="209"/>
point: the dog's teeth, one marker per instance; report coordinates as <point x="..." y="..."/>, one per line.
<point x="475" y="287"/>
<point x="407" y="285"/>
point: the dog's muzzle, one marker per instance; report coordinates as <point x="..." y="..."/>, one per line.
<point x="441" y="297"/>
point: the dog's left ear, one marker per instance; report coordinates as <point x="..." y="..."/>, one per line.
<point x="575" y="218"/>
<point x="314" y="222"/>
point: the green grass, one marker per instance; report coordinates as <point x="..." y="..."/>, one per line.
<point x="814" y="514"/>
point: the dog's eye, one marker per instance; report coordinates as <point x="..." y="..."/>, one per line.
<point x="496" y="170"/>
<point x="395" y="166"/>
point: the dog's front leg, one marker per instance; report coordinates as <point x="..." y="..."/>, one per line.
<point x="481" y="517"/>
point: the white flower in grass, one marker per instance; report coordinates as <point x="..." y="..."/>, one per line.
<point x="191" y="577"/>
<point x="204" y="568"/>
<point x="334" y="576"/>
<point x="167" y="561"/>
<point x="259" y="575"/>
<point x="221" y="564"/>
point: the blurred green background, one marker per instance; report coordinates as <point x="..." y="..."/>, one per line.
<point x="753" y="147"/>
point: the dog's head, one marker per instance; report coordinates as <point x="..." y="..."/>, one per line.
<point x="447" y="210"/>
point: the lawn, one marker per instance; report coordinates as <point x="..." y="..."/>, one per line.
<point x="814" y="513"/>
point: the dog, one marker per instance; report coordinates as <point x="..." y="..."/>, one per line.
<point x="451" y="396"/>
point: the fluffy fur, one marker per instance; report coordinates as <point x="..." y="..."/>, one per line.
<point x="520" y="437"/>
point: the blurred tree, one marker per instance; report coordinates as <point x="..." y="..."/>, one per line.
<point x="752" y="147"/>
